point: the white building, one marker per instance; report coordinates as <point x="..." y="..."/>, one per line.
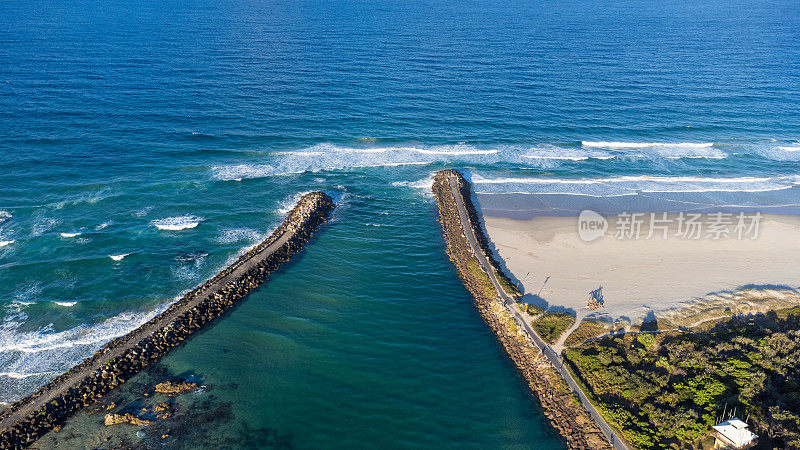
<point x="733" y="433"/>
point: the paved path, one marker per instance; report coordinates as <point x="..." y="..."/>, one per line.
<point x="134" y="337"/>
<point x="510" y="304"/>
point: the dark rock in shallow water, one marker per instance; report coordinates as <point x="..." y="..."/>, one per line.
<point x="172" y="388"/>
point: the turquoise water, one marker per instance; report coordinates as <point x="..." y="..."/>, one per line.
<point x="122" y="121"/>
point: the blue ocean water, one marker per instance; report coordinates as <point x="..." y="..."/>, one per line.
<point x="173" y="135"/>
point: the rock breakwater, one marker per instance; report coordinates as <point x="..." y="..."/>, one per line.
<point x="119" y="360"/>
<point x="560" y="405"/>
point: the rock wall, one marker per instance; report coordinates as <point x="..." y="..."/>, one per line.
<point x="100" y="373"/>
<point x="561" y="407"/>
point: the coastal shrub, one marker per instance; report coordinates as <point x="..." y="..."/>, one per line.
<point x="667" y="389"/>
<point x="647" y="340"/>
<point x="532" y="310"/>
<point x="480" y="275"/>
<point x="552" y="324"/>
<point x="588" y="329"/>
<point x="507" y="285"/>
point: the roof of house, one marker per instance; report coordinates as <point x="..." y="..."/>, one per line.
<point x="736" y="431"/>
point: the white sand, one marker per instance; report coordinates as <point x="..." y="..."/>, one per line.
<point x="638" y="276"/>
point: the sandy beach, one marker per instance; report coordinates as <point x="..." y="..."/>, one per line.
<point x="683" y="280"/>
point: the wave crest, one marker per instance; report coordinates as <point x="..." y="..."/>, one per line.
<point x="177" y="223"/>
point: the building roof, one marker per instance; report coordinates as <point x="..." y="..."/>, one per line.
<point x="736" y="432"/>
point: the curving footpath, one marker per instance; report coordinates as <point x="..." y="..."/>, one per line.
<point x="458" y="185"/>
<point x="28" y="419"/>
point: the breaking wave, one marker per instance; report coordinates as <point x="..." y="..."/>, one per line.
<point x="177" y="223"/>
<point x="28" y="356"/>
<point x="621" y="145"/>
<point x="625" y="185"/>
<point x="231" y="235"/>
<point x="323" y="157"/>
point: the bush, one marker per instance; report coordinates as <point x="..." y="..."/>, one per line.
<point x="552" y="324"/>
<point x="588" y="329"/>
<point x="667" y="389"/>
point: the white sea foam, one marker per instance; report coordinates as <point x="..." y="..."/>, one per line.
<point x="4" y="243"/>
<point x="455" y="152"/>
<point x="323" y="157"/>
<point x="331" y="157"/>
<point x="119" y="257"/>
<point x="561" y="158"/>
<point x="624" y="185"/>
<point x="288" y="203"/>
<point x="231" y="235"/>
<point x="4" y="216"/>
<point x="70" y="235"/>
<point x="102" y="226"/>
<point x="24" y="354"/>
<point x="42" y="225"/>
<point x="44" y="340"/>
<point x="621" y="145"/>
<point x="790" y="149"/>
<point x="22" y="376"/>
<point x="177" y="223"/>
<point x="65" y="303"/>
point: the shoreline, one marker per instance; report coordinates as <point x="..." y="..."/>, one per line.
<point x="52" y="404"/>
<point x="565" y="412"/>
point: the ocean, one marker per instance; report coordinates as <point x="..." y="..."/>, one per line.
<point x="145" y="145"/>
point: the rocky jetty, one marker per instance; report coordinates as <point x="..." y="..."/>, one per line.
<point x="29" y="418"/>
<point x="560" y="405"/>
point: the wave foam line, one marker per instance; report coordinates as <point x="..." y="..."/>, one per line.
<point x="177" y="223"/>
<point x="4" y="243"/>
<point x="615" y="186"/>
<point x="81" y="335"/>
<point x="622" y="179"/>
<point x="20" y="376"/>
<point x="622" y="145"/>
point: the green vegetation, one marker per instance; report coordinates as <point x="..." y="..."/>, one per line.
<point x="481" y="276"/>
<point x="588" y="329"/>
<point x="532" y="310"/>
<point x="667" y="389"/>
<point x="507" y="285"/>
<point x="552" y="324"/>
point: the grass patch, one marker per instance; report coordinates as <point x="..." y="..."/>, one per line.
<point x="552" y="324"/>
<point x="588" y="329"/>
<point x="532" y="310"/>
<point x="506" y="284"/>
<point x="480" y="275"/>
